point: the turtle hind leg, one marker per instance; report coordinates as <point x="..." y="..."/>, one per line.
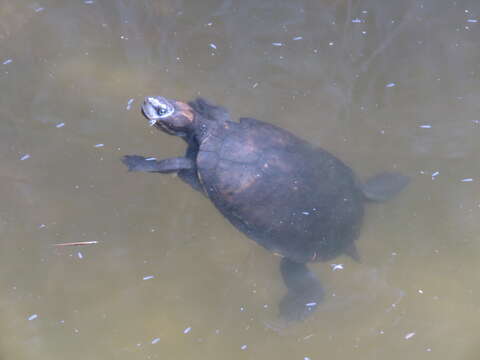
<point x="384" y="186"/>
<point x="304" y="291"/>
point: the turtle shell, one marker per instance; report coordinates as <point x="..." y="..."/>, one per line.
<point x="292" y="198"/>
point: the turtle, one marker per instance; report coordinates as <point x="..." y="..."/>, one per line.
<point x="294" y="199"/>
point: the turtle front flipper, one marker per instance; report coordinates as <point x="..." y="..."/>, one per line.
<point x="304" y="291"/>
<point x="139" y="163"/>
<point x="384" y="186"/>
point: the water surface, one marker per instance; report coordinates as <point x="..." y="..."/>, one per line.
<point x="384" y="85"/>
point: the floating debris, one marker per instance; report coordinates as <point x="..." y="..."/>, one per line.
<point x="435" y="174"/>
<point x="88" y="2"/>
<point x="148" y="277"/>
<point x="306" y="358"/>
<point x="39" y="9"/>
<point x="80" y="255"/>
<point x="297" y="38"/>
<point x="305" y="213"/>
<point x="213" y="46"/>
<point x="409" y="335"/>
<point x="32" y="317"/>
<point x="425" y="126"/>
<point x="99" y="145"/>
<point x="25" y="157"/>
<point x="243" y="347"/>
<point x="357" y="21"/>
<point x="156" y="340"/>
<point x="77" y="243"/>
<point x="41" y="226"/>
<point x="467" y="180"/>
<point x="311" y="304"/>
<point x="8" y="61"/>
<point x="150" y="159"/>
<point x="390" y="85"/>
<point x="60" y="125"/>
<point x="277" y="44"/>
<point x="472" y="20"/>
<point x="129" y="104"/>
<point x="254" y="85"/>
<point x="187" y="330"/>
<point x="336" y="267"/>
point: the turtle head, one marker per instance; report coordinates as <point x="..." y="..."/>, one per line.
<point x="170" y="116"/>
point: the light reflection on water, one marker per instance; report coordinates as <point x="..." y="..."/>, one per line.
<point x="384" y="85"/>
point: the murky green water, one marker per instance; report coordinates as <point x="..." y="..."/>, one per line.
<point x="385" y="85"/>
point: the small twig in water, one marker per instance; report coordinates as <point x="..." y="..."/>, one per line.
<point x="77" y="243"/>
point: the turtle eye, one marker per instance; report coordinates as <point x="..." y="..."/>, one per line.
<point x="162" y="109"/>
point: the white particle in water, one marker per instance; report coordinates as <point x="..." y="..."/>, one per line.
<point x="298" y="38"/>
<point x="80" y="255"/>
<point x="331" y="43"/>
<point x="150" y="159"/>
<point x="467" y="180"/>
<point x="305" y="213"/>
<point x="472" y="20"/>
<point x="41" y="226"/>
<point x="244" y="347"/>
<point x="187" y="330"/>
<point x="409" y="335"/>
<point x="156" y="340"/>
<point x="39" y="9"/>
<point x="129" y="104"/>
<point x="356" y="21"/>
<point x="99" y="145"/>
<point x="25" y="157"/>
<point x="148" y="277"/>
<point x="32" y="317"/>
<point x="254" y="85"/>
<point x="389" y="85"/>
<point x="60" y="125"/>
<point x="277" y="44"/>
<point x="336" y="267"/>
<point x="310" y="304"/>
<point x="425" y="126"/>
<point x="8" y="61"/>
<point x="435" y="174"/>
<point x="213" y="46"/>
<point x="420" y="291"/>
<point x="306" y="358"/>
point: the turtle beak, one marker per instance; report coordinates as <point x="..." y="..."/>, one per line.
<point x="150" y="111"/>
